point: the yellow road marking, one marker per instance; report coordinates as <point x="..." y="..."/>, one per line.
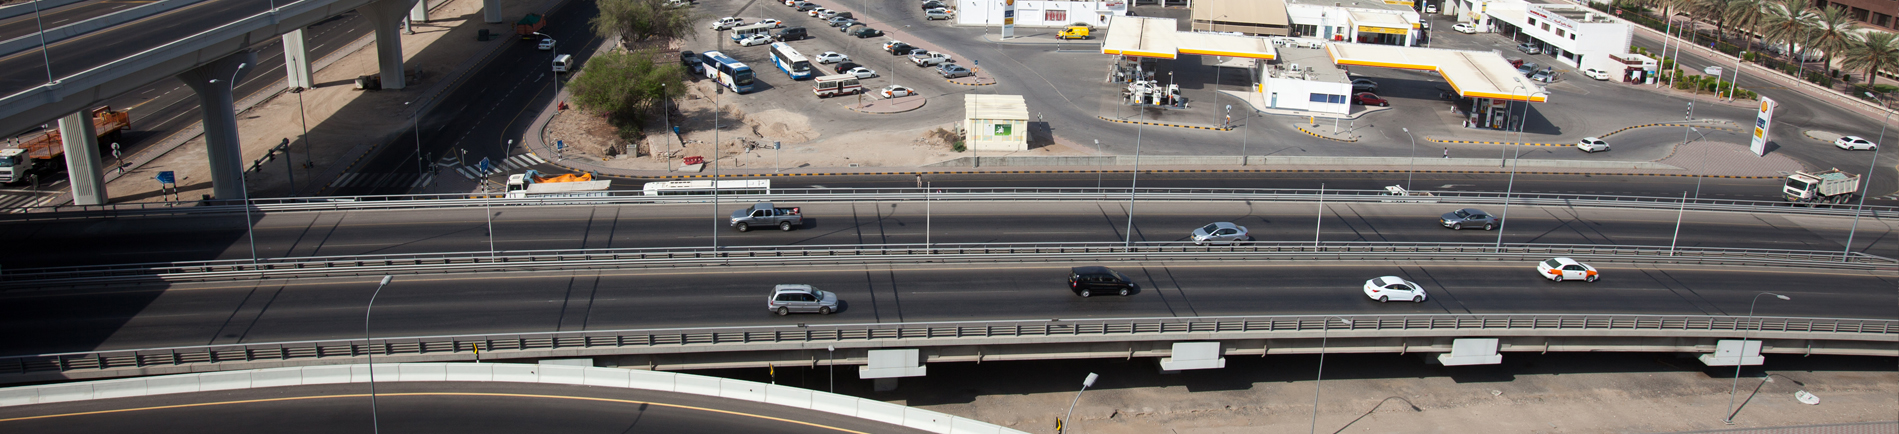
<point x="507" y="395"/>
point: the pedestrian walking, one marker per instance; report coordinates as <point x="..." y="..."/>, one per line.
<point x="919" y="180"/>
<point x="1447" y="152"/>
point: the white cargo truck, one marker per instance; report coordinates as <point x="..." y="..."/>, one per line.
<point x="1830" y="186"/>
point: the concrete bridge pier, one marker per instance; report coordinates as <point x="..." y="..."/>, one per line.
<point x="419" y="13"/>
<point x="386" y="16"/>
<point x="491" y="11"/>
<point x="296" y="61"/>
<point x="82" y="159"/>
<point x="213" y="82"/>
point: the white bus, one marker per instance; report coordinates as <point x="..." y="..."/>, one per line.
<point x="729" y="186"/>
<point x="834" y="85"/>
<point x="790" y="61"/>
<point x="748" y="30"/>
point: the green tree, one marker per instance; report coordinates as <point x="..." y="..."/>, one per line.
<point x="1744" y="16"/>
<point x="626" y="85"/>
<point x="1787" y="21"/>
<point x="641" y="20"/>
<point x="1832" y="32"/>
<point x="1874" y="52"/>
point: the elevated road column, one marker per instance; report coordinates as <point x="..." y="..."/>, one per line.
<point x="213" y="82"/>
<point x="296" y="61"/>
<point x="491" y="11"/>
<point x="81" y="140"/>
<point x="386" y="16"/>
<point x="419" y="13"/>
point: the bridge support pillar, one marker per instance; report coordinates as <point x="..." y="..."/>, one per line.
<point x="83" y="169"/>
<point x="1727" y="352"/>
<point x="1193" y="355"/>
<point x="296" y="61"/>
<point x="213" y="82"/>
<point x="386" y="16"/>
<point x="491" y="11"/>
<point x="886" y="366"/>
<point x="419" y="13"/>
<point x="1472" y="351"/>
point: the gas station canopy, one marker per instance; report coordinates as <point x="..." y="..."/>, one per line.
<point x="1159" y="38"/>
<point x="1473" y="74"/>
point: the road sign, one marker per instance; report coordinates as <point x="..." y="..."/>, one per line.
<point x="166" y="177"/>
<point x="484" y="165"/>
<point x="560" y="144"/>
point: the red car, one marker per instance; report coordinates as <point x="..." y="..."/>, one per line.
<point x="1368" y="98"/>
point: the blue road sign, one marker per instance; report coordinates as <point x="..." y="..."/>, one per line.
<point x="166" y="177"/>
<point x="484" y="165"/>
<point x="560" y="144"/>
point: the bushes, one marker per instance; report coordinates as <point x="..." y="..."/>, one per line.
<point x="958" y="146"/>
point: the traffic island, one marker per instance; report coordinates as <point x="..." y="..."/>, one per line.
<point x="889" y="106"/>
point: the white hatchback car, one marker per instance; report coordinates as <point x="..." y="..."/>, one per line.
<point x="1592" y="144"/>
<point x="1386" y="288"/>
<point x="1599" y="75"/>
<point x="830" y="57"/>
<point x="1852" y="143"/>
<point x="758" y="39"/>
<point x="1558" y="269"/>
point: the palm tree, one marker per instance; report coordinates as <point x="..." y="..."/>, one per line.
<point x="1874" y="52"/>
<point x="1832" y="33"/>
<point x="1716" y="11"/>
<point x="1745" y="16"/>
<point x="1787" y="22"/>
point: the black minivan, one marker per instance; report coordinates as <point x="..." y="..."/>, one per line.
<point x="1087" y="281"/>
<point x="792" y="34"/>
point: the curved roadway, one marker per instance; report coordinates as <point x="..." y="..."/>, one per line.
<point x="65" y="319"/>
<point x="341" y="233"/>
<point x="447" y="407"/>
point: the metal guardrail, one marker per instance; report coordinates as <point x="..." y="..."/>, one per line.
<point x="577" y="259"/>
<point x="465" y="200"/>
<point x="803" y="336"/>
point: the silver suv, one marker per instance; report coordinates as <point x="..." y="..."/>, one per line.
<point x="788" y="298"/>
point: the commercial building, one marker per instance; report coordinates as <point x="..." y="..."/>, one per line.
<point x="1574" y="35"/>
<point x="1038" y="13"/>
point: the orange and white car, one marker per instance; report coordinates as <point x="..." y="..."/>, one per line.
<point x="1559" y="269"/>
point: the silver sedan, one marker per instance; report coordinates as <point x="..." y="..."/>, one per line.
<point x="1219" y="232"/>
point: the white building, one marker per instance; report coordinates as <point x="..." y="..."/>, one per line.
<point x="989" y="13"/>
<point x="1360" y="21"/>
<point x="1574" y="35"/>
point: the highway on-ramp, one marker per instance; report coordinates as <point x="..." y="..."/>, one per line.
<point x="343" y="233"/>
<point x="72" y="319"/>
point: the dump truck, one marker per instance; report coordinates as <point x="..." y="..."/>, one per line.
<point x="764" y="214"/>
<point x="1830" y="186"/>
<point x="533" y="185"/>
<point x="47" y="149"/>
<point x="529" y="25"/>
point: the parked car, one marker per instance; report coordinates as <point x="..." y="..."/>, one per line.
<point x="1469" y="217"/>
<point x="808" y="6"/>
<point x="1385" y="288"/>
<point x="792" y="34"/>
<point x="727" y="23"/>
<point x="788" y="298"/>
<point x="1368" y="98"/>
<point x="1852" y="143"/>
<point x="794" y="3"/>
<point x="691" y="61"/>
<point x="1088" y="281"/>
<point x="1464" y="28"/>
<point x="773" y="22"/>
<point x="933" y="4"/>
<point x="936" y="14"/>
<point x="861" y="72"/>
<point x="895" y="91"/>
<point x="845" y="66"/>
<point x="1545" y="75"/>
<point x="1558" y="269"/>
<point x="1599" y="75"/>
<point x="1528" y="68"/>
<point x="850" y="26"/>
<point x="757" y="39"/>
<point x="890" y="43"/>
<point x="1529" y="48"/>
<point x="818" y="12"/>
<point x="844" y="15"/>
<point x="1219" y="232"/>
<point x="866" y="32"/>
<point x="832" y="57"/>
<point x="1430" y="9"/>
<point x="902" y="49"/>
<point x="925" y="58"/>
<point x="838" y="21"/>
<point x="951" y="70"/>
<point x="828" y="14"/>
<point x="1592" y="144"/>
<point x="1364" y="85"/>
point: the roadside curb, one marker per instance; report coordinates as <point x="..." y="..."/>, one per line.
<point x="1313" y="134"/>
<point x="1611" y="133"/>
<point x="853" y="107"/>
<point x="1158" y="124"/>
<point x="1489" y="142"/>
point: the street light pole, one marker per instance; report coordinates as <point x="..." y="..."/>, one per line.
<point x="1737" y="357"/>
<point x="1062" y="426"/>
<point x="1737" y="75"/>
<point x="1414" y="160"/>
<point x="47" y="57"/>
<point x="1134" y="185"/>
<point x="415" y="122"/>
<point x="1846" y="255"/>
<point x="375" y="424"/>
<point x="1325" y="326"/>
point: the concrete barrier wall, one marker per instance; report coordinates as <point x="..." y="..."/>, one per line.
<point x="60" y="33"/>
<point x="27" y="8"/>
<point x="506" y="372"/>
<point x="1335" y="162"/>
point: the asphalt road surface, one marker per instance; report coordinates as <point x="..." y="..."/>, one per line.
<point x="447" y="408"/>
<point x="165" y="239"/>
<point x="62" y="319"/>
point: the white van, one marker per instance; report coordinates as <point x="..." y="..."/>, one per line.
<point x="834" y="85"/>
<point x="563" y="62"/>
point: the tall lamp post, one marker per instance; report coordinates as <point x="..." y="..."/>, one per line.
<point x="1846" y="255"/>
<point x="1134" y="184"/>
<point x="1737" y="357"/>
<point x="1414" y="160"/>
<point x="1510" y="187"/>
<point x="1325" y="326"/>
<point x="415" y="122"/>
<point x="375" y="424"/>
<point x="1062" y="426"/>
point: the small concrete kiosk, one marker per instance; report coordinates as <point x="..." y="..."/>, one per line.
<point x="996" y="122"/>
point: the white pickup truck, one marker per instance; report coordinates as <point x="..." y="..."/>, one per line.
<point x="764" y="214"/>
<point x="929" y="59"/>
